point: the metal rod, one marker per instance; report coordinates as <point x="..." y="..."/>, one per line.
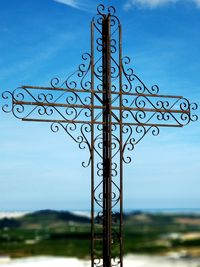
<point x="107" y="190"/>
<point x="102" y="123"/>
<point x="92" y="146"/>
<point x="152" y="110"/>
<point x="121" y="147"/>
<point x="27" y="103"/>
<point x="58" y="89"/>
<point x="96" y="91"/>
<point x="153" y="95"/>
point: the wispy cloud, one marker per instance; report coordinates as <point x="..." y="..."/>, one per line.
<point x="147" y="3"/>
<point x="44" y="53"/>
<point x="74" y="3"/>
<point x="197" y="3"/>
<point x="152" y="4"/>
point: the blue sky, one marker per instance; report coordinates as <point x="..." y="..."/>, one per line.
<point x="43" y="39"/>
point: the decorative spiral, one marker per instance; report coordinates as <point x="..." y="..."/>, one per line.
<point x="7" y="108"/>
<point x="82" y="73"/>
<point x="193" y="117"/>
<point x="131" y="77"/>
<point x="81" y="140"/>
<point x="98" y="194"/>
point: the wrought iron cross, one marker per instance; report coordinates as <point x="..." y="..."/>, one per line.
<point x="104" y="107"/>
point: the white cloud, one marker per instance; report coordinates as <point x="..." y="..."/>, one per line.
<point x="73" y="3"/>
<point x="155" y="3"/>
<point x="197" y="2"/>
<point x="44" y="53"/>
<point x="147" y="3"/>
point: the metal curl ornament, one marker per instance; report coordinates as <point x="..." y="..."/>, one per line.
<point x="101" y="9"/>
<point x="7" y="95"/>
<point x="81" y="72"/>
<point x="81" y="139"/>
<point x="193" y="117"/>
<point x="129" y="143"/>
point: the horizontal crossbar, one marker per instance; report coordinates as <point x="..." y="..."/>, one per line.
<point x="96" y="91"/>
<point x="100" y="107"/>
<point x="41" y="104"/>
<point x="101" y="123"/>
<point x="152" y="110"/>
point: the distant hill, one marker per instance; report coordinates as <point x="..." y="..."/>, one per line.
<point x="43" y="218"/>
<point x="48" y="215"/>
<point x="62" y="233"/>
<point x="59" y="219"/>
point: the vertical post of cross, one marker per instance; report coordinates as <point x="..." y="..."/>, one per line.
<point x="107" y="182"/>
<point x="121" y="145"/>
<point x="92" y="144"/>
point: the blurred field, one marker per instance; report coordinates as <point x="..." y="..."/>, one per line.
<point x="54" y="233"/>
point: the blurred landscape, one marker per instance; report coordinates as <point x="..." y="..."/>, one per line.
<point x="67" y="234"/>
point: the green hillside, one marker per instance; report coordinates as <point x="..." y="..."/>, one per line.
<point x="61" y="233"/>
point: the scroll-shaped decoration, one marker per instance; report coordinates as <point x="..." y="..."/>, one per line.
<point x="81" y="78"/>
<point x="141" y="109"/>
<point x="132" y="83"/>
<point x="81" y="138"/>
<point x="28" y="103"/>
<point x="114" y="26"/>
<point x="132" y="136"/>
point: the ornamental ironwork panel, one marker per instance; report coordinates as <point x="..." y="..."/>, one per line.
<point x="107" y="109"/>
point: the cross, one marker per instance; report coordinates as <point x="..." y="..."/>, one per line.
<point x="105" y="108"/>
